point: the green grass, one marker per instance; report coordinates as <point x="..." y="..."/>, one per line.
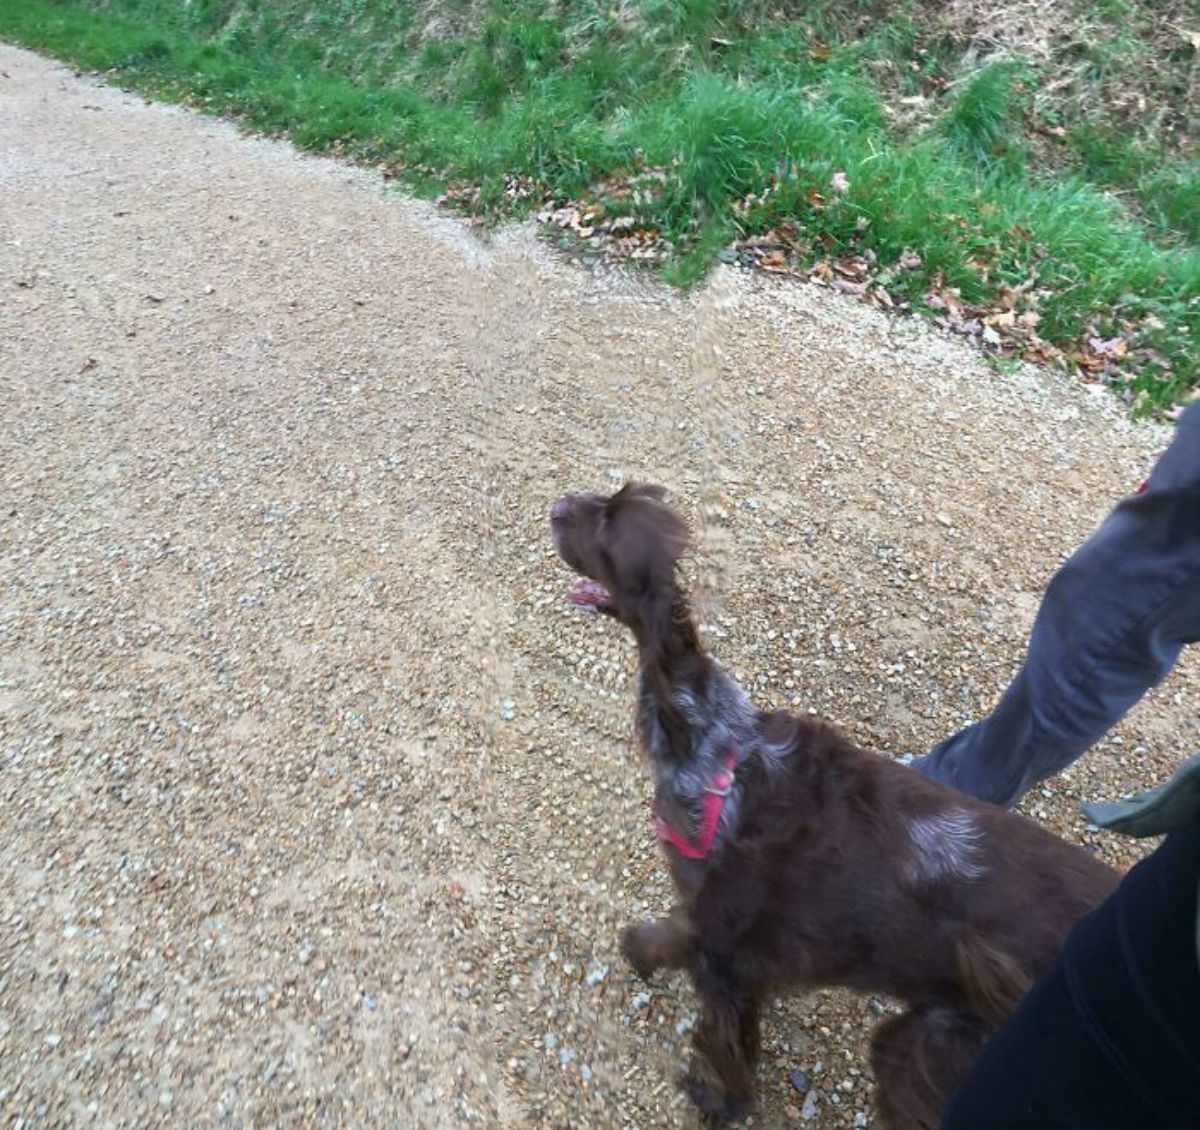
<point x="743" y="119"/>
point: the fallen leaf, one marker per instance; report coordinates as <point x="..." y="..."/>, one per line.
<point x="1113" y="347"/>
<point x="1040" y="351"/>
<point x="852" y="267"/>
<point x="820" y="271"/>
<point x="788" y="234"/>
<point x="909" y="260"/>
<point x="88" y="363"/>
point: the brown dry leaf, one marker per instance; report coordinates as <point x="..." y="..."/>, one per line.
<point x="773" y="261"/>
<point x="821" y="52"/>
<point x="788" y="234"/>
<point x="847" y="287"/>
<point x="1115" y="347"/>
<point x="852" y="267"/>
<point x="820" y="271"/>
<point x="88" y="363"/>
<point x="909" y="260"/>
<point x="1040" y="351"/>
<point x="815" y="199"/>
<point x="1003" y="320"/>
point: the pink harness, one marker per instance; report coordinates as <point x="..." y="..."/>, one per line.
<point x="714" y="802"/>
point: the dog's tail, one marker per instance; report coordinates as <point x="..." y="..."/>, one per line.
<point x="992" y="980"/>
<point x="919" y="1058"/>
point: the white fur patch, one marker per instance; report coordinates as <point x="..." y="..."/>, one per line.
<point x="946" y="846"/>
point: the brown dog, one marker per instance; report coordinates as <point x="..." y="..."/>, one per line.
<point x="801" y="860"/>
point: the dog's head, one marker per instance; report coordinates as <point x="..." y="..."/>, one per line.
<point x="625" y="548"/>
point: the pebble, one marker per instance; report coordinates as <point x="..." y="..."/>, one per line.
<point x="809" y="1111"/>
<point x="799" y="1080"/>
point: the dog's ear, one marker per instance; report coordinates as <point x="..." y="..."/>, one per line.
<point x="644" y="539"/>
<point x="643" y="490"/>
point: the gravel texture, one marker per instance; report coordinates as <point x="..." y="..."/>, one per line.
<point x="318" y="802"/>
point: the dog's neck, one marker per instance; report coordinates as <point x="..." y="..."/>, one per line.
<point x="691" y="714"/>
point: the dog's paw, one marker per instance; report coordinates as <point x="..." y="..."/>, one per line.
<point x="638" y="948"/>
<point x="709" y="1099"/>
<point x="715" y="1106"/>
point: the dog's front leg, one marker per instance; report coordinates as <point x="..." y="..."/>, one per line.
<point x="721" y="1079"/>
<point x="664" y="943"/>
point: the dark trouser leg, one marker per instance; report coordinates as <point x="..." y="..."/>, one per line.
<point x="1109" y="1039"/>
<point x="1111" y="625"/>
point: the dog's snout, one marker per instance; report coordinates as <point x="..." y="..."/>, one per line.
<point x="561" y="507"/>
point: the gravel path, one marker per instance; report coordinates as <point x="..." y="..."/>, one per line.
<point x="317" y="801"/>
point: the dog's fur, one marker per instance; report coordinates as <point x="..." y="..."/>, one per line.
<point x="831" y="865"/>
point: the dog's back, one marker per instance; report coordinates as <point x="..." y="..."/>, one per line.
<point x="871" y="876"/>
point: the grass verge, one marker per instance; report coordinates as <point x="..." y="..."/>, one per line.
<point x="1013" y="196"/>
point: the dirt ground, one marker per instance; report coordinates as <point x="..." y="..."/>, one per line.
<point x="318" y="802"/>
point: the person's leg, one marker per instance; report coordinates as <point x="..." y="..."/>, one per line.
<point x="1111" y="625"/>
<point x="1109" y="1039"/>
